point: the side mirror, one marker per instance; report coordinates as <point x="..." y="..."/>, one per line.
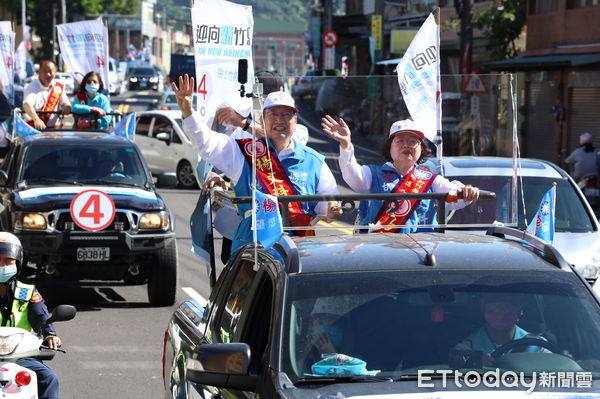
<point x="164" y="136"/>
<point x="221" y="365"/>
<point x="3" y="178"/>
<point x="62" y="313"/>
<point x="167" y="180"/>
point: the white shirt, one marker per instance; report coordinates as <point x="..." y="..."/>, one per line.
<point x="36" y="95"/>
<point x="359" y="178"/>
<point x="223" y="152"/>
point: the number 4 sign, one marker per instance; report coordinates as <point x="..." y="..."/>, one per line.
<point x="92" y="210"/>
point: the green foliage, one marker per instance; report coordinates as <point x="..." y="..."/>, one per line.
<point x="285" y="11"/>
<point x="502" y="23"/>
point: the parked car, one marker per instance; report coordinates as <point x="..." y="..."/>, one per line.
<point x="165" y="145"/>
<point x="577" y="234"/>
<point x="142" y="78"/>
<point x="40" y="179"/>
<point x="308" y="85"/>
<point x="113" y="76"/>
<point x="337" y="95"/>
<point x="370" y="315"/>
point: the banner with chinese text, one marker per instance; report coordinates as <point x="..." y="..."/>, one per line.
<point x="7" y="56"/>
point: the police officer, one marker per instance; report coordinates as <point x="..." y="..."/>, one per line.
<point x="21" y="305"/>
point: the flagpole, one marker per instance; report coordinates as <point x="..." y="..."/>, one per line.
<point x="440" y="142"/>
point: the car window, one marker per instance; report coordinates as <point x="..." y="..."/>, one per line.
<point x="142" y="125"/>
<point x="45" y="164"/>
<point x="162" y="124"/>
<point x="570" y="213"/>
<point x="230" y="316"/>
<point x="401" y="322"/>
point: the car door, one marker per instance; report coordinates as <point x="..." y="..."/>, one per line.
<point x="143" y="138"/>
<point x="168" y="153"/>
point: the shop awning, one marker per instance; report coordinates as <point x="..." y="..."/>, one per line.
<point x="545" y="61"/>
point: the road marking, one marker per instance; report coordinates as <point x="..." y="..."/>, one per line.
<point x="121" y="364"/>
<point x="107" y="349"/>
<point x="195" y="296"/>
<point x="123" y="108"/>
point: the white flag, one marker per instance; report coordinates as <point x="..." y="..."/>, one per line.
<point x="222" y="34"/>
<point x="419" y="78"/>
<point x="84" y="48"/>
<point x="21" y="61"/>
<point x="7" y="55"/>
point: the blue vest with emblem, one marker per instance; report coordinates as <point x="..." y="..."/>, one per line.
<point x="384" y="179"/>
<point x="303" y="167"/>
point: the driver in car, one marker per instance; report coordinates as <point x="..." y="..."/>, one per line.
<point x="501" y="313"/>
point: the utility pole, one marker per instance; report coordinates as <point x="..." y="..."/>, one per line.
<point x="463" y="9"/>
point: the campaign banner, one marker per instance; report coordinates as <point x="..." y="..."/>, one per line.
<point x="419" y="78"/>
<point x="222" y="34"/>
<point x="20" y="61"/>
<point x="7" y="56"/>
<point x="84" y="48"/>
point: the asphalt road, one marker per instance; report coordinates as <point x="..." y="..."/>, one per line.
<point x="114" y="345"/>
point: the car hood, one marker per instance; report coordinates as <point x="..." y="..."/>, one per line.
<point x="580" y="249"/>
<point x="409" y="389"/>
<point x="45" y="199"/>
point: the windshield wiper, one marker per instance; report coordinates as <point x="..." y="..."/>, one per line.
<point x="342" y="378"/>
<point x="44" y="180"/>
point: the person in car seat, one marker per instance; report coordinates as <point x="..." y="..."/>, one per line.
<point x="403" y="150"/>
<point x="501" y="313"/>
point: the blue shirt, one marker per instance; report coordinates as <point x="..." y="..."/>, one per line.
<point x="480" y="340"/>
<point x="99" y="101"/>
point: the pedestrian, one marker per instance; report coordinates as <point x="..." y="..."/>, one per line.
<point x="284" y="166"/>
<point x="90" y="104"/>
<point x="403" y="149"/>
<point x="21" y="305"/>
<point x="45" y="94"/>
<point x="584" y="158"/>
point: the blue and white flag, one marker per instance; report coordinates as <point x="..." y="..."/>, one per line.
<point x="269" y="227"/>
<point x="23" y="129"/>
<point x="125" y="127"/>
<point x="201" y="221"/>
<point x="5" y="129"/>
<point x="542" y="225"/>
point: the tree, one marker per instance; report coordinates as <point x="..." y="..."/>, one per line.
<point x="502" y="23"/>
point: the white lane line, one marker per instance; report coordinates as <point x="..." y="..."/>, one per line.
<point x="195" y="296"/>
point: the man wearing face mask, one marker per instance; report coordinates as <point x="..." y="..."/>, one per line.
<point x="90" y="104"/>
<point x="21" y="305"/>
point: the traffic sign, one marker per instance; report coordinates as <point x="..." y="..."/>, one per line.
<point x="330" y="38"/>
<point x="474" y="84"/>
<point x="92" y="210"/>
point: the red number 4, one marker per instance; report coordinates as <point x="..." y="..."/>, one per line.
<point x="202" y="87"/>
<point x="94" y="203"/>
<point x="99" y="62"/>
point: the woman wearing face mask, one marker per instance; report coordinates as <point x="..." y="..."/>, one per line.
<point x="91" y="104"/>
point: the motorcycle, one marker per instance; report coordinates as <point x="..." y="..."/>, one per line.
<point x="17" y="343"/>
<point x="590" y="186"/>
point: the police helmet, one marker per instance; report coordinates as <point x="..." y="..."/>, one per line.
<point x="10" y="246"/>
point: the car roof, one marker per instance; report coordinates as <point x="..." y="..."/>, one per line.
<point x="499" y="166"/>
<point x="76" y="137"/>
<point x="377" y="252"/>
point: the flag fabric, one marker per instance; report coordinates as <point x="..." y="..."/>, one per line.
<point x="5" y="129"/>
<point x="21" y="128"/>
<point x="84" y="48"/>
<point x="269" y="226"/>
<point x="7" y="57"/>
<point x="419" y="78"/>
<point x="125" y="127"/>
<point x="542" y="224"/>
<point x="201" y="221"/>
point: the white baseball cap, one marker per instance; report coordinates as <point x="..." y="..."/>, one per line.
<point x="406" y="125"/>
<point x="280" y="99"/>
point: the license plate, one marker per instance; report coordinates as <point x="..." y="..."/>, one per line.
<point x="143" y="84"/>
<point x="93" y="254"/>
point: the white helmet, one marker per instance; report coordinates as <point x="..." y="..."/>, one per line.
<point x="10" y="246"/>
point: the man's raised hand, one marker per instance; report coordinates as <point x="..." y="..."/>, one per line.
<point x="184" y="94"/>
<point x="338" y="131"/>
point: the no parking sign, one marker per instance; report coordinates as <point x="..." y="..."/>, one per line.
<point x="330" y="38"/>
<point x="92" y="210"/>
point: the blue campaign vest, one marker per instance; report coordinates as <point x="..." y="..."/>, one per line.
<point x="303" y="167"/>
<point x="384" y="179"/>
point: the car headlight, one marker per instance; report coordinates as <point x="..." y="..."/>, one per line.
<point x="153" y="80"/>
<point x="158" y="220"/>
<point x="133" y="80"/>
<point x="9" y="343"/>
<point x="589" y="272"/>
<point x="35" y="221"/>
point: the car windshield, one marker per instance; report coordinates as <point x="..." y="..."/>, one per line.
<point x="571" y="215"/>
<point x="393" y="324"/>
<point x="143" y="72"/>
<point x="82" y="164"/>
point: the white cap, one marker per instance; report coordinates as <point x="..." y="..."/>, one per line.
<point x="406" y="125"/>
<point x="586" y="137"/>
<point x="280" y="99"/>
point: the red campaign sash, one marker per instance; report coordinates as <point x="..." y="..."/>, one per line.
<point x="51" y="102"/>
<point x="396" y="212"/>
<point x="273" y="177"/>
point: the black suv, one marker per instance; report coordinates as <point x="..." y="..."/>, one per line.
<point x="387" y="314"/>
<point x="143" y="78"/>
<point x="39" y="179"/>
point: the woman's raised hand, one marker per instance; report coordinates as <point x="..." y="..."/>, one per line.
<point x="338" y="131"/>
